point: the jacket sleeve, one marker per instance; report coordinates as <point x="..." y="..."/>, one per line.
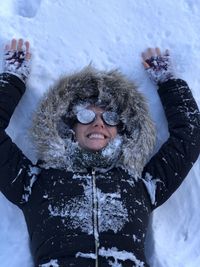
<point x="17" y="173"/>
<point x="167" y="169"/>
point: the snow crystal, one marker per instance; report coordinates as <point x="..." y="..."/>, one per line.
<point x="80" y="107"/>
<point x="20" y="171"/>
<point x="86" y="255"/>
<point x="151" y="187"/>
<point x="120" y="255"/>
<point x="95" y="210"/>
<point x="33" y="172"/>
<point x="131" y="182"/>
<point x="28" y="189"/>
<point x="78" y="211"/>
<point x="45" y="196"/>
<point x="114" y="264"/>
<point x="138" y="202"/>
<point x="51" y="263"/>
<point x="115" y="254"/>
<point x="112" y="213"/>
<point x="82" y="177"/>
<point x="135" y="239"/>
<point x="3" y="82"/>
<point x="164" y="159"/>
<point x="114" y="145"/>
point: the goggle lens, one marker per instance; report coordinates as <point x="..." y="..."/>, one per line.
<point x="86" y="116"/>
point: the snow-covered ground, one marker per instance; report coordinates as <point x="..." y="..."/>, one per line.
<point x="66" y="35"/>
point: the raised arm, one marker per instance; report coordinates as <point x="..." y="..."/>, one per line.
<point x="167" y="169"/>
<point x="17" y="58"/>
<point x="16" y="172"/>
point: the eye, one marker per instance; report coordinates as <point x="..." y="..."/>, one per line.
<point x="111" y="118"/>
<point x="85" y="116"/>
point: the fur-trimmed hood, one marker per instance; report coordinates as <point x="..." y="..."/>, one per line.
<point x="53" y="139"/>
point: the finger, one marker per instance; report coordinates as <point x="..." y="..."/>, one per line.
<point x="20" y="45"/>
<point x="150" y="52"/>
<point x="167" y="52"/>
<point x="27" y="45"/>
<point x="28" y="54"/>
<point x="158" y="52"/>
<point x="144" y="55"/>
<point x="13" y="44"/>
<point x="7" y="47"/>
<point x="145" y="64"/>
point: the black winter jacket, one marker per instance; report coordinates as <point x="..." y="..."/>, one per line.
<point x="90" y="219"/>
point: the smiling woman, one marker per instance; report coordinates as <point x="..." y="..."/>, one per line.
<point x="88" y="199"/>
<point x="95" y="135"/>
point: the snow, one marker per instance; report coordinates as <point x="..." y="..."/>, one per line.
<point x="77" y="212"/>
<point x="33" y="172"/>
<point x="150" y="184"/>
<point x="66" y="36"/>
<point x="112" y="213"/>
<point x="17" y="175"/>
<point x="51" y="263"/>
<point x="113" y="253"/>
<point x="120" y="255"/>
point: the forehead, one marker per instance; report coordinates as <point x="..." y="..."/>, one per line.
<point x="96" y="109"/>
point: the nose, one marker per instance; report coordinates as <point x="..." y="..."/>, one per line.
<point x="98" y="122"/>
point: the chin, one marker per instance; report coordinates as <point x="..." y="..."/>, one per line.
<point x="95" y="149"/>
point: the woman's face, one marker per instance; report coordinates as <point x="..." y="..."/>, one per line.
<point x="97" y="134"/>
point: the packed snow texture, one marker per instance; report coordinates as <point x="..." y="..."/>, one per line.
<point x="66" y="36"/>
<point x="76" y="213"/>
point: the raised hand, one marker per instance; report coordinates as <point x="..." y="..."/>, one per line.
<point x="17" y="58"/>
<point x="158" y="65"/>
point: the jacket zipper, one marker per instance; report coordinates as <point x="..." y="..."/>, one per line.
<point x="95" y="216"/>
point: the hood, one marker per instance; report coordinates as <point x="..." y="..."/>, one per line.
<point x="53" y="138"/>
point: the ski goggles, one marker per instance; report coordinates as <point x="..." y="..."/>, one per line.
<point x="87" y="116"/>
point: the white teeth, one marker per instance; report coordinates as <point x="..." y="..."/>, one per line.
<point x="96" y="136"/>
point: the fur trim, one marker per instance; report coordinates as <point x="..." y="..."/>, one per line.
<point x="111" y="89"/>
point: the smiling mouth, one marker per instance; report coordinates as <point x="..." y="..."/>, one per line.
<point x="97" y="136"/>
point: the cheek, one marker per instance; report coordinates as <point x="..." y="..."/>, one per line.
<point x="79" y="130"/>
<point x="76" y="130"/>
<point x="113" y="132"/>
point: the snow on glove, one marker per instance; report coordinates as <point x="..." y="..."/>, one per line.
<point x="15" y="62"/>
<point x="160" y="68"/>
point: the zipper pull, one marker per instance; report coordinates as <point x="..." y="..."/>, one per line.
<point x="93" y="172"/>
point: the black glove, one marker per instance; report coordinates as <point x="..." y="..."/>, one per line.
<point x="160" y="68"/>
<point x="15" y="62"/>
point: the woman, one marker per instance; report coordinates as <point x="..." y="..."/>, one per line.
<point x="88" y="199"/>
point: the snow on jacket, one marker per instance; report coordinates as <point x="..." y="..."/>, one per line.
<point x="87" y="216"/>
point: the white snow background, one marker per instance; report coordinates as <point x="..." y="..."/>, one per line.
<point x="66" y="35"/>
